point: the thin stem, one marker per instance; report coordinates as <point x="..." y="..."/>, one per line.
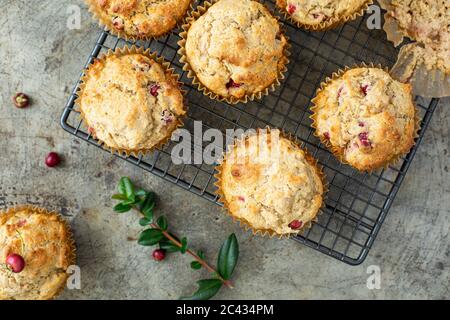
<point x="193" y="254"/>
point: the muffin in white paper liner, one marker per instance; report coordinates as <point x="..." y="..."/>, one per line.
<point x="424" y="63"/>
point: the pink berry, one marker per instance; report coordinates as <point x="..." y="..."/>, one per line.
<point x="241" y="198"/>
<point x="159" y="254"/>
<point x="327" y="135"/>
<point x="153" y="88"/>
<point x="21" y="223"/>
<point x="236" y="173"/>
<point x="52" y="159"/>
<point x="364" y="139"/>
<point x="365" y="89"/>
<point x="291" y="8"/>
<point x="232" y="84"/>
<point x="15" y="263"/>
<point x="91" y="131"/>
<point x="295" y="224"/>
<point x="339" y="92"/>
<point x="118" y="23"/>
<point x="21" y="100"/>
<point x="361" y="124"/>
<point x="365" y="143"/>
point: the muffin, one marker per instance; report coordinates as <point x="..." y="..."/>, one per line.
<point x="425" y="62"/>
<point x="36" y="248"/>
<point x="365" y="117"/>
<point x="270" y="184"/>
<point x="235" y="49"/>
<point x="139" y="19"/>
<point x="321" y="15"/>
<point x="131" y="102"/>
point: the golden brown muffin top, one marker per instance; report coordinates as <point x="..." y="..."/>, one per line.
<point x="45" y="243"/>
<point x="130" y="102"/>
<point x="236" y="48"/>
<point x="367" y="117"/>
<point x="270" y="183"/>
<point x="140" y="18"/>
<point x="316" y="12"/>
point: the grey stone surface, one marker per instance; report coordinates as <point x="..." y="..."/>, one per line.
<point x="41" y="56"/>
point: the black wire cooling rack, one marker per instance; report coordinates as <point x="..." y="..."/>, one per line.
<point x="357" y="203"/>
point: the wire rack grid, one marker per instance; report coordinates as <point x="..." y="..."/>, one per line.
<point x="356" y="204"/>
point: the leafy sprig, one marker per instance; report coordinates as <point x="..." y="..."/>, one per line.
<point x="157" y="233"/>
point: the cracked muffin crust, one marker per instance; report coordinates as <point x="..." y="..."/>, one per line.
<point x="321" y="14"/>
<point x="140" y="19"/>
<point x="270" y="184"/>
<point x="367" y="118"/>
<point x="130" y="102"/>
<point x="236" y="48"/>
<point x="45" y="242"/>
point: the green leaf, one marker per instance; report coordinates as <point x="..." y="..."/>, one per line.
<point x="119" y="196"/>
<point x="183" y="245"/>
<point x="148" y="215"/>
<point x="147" y="205"/>
<point x="121" y="185"/>
<point x="228" y="257"/>
<point x="150" y="237"/>
<point x="207" y="289"/>
<point x="141" y="193"/>
<point x="130" y="202"/>
<point x="144" y="222"/>
<point x="196" y="265"/>
<point x="149" y="199"/>
<point x="201" y="254"/>
<point x="127" y="186"/>
<point x="168" y="245"/>
<point x="140" y="197"/>
<point x="121" y="208"/>
<point x="162" y="223"/>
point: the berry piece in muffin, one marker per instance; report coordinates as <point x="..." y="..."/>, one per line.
<point x="236" y="48"/>
<point x="320" y="14"/>
<point x="130" y="102"/>
<point x="271" y="184"/>
<point x="140" y="19"/>
<point x="367" y="118"/>
<point x="37" y="249"/>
